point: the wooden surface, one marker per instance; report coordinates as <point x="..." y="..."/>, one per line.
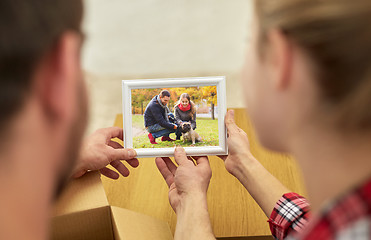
<point x="232" y="210"/>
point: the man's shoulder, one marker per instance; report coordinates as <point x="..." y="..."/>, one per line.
<point x="153" y="102"/>
<point x="155" y="107"/>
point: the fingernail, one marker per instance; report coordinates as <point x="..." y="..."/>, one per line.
<point x="132" y="153"/>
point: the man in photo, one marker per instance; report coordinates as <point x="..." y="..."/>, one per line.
<point x="158" y="120"/>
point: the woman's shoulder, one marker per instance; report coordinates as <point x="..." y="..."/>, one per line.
<point x="193" y="107"/>
<point x="193" y="104"/>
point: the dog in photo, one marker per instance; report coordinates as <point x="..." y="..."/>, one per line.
<point x="189" y="134"/>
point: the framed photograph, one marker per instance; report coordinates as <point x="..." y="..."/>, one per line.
<point x="161" y="113"/>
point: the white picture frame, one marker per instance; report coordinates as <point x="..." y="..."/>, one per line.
<point x="218" y="81"/>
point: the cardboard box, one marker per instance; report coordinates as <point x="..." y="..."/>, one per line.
<point x="83" y="212"/>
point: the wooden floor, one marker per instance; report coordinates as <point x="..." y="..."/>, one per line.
<point x="232" y="210"/>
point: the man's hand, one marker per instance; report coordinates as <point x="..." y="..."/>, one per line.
<point x="187" y="179"/>
<point x="188" y="184"/>
<point x="99" y="150"/>
<point x="238" y="146"/>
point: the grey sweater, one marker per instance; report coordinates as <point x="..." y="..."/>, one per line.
<point x="186" y="116"/>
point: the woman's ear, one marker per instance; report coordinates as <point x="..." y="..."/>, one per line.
<point x="279" y="57"/>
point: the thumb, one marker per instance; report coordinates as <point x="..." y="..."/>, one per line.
<point x="122" y="154"/>
<point x="230" y="123"/>
<point x="180" y="156"/>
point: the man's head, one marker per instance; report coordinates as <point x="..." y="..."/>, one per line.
<point x="41" y="78"/>
<point x="164" y="97"/>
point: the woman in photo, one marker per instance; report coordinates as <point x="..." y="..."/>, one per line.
<point x="185" y="111"/>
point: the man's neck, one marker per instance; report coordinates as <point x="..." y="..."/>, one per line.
<point x="332" y="163"/>
<point x="26" y="183"/>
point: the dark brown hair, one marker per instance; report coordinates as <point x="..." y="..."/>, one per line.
<point x="337" y="37"/>
<point x="164" y="93"/>
<point x="28" y="30"/>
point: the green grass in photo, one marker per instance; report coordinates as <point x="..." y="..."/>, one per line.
<point x="206" y="128"/>
<point x="138" y="121"/>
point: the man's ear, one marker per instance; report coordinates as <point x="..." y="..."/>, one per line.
<point x="58" y="75"/>
<point x="280" y="58"/>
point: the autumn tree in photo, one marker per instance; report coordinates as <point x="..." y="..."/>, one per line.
<point x="141" y="97"/>
<point x="209" y="93"/>
<point x="199" y="95"/>
<point x="193" y="92"/>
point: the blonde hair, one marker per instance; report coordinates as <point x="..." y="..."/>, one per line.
<point x="337" y="37"/>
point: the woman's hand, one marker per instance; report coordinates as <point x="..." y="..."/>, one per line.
<point x="238" y="146"/>
<point x="263" y="186"/>
<point x="99" y="150"/>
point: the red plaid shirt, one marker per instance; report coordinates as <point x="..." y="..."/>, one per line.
<point x="347" y="218"/>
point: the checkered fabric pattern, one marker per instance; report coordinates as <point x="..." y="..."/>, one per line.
<point x="291" y="213"/>
<point x="348" y="218"/>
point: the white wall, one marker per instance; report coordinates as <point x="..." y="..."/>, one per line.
<point x="166" y="38"/>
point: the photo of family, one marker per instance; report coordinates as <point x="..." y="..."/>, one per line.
<point x="164" y="117"/>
